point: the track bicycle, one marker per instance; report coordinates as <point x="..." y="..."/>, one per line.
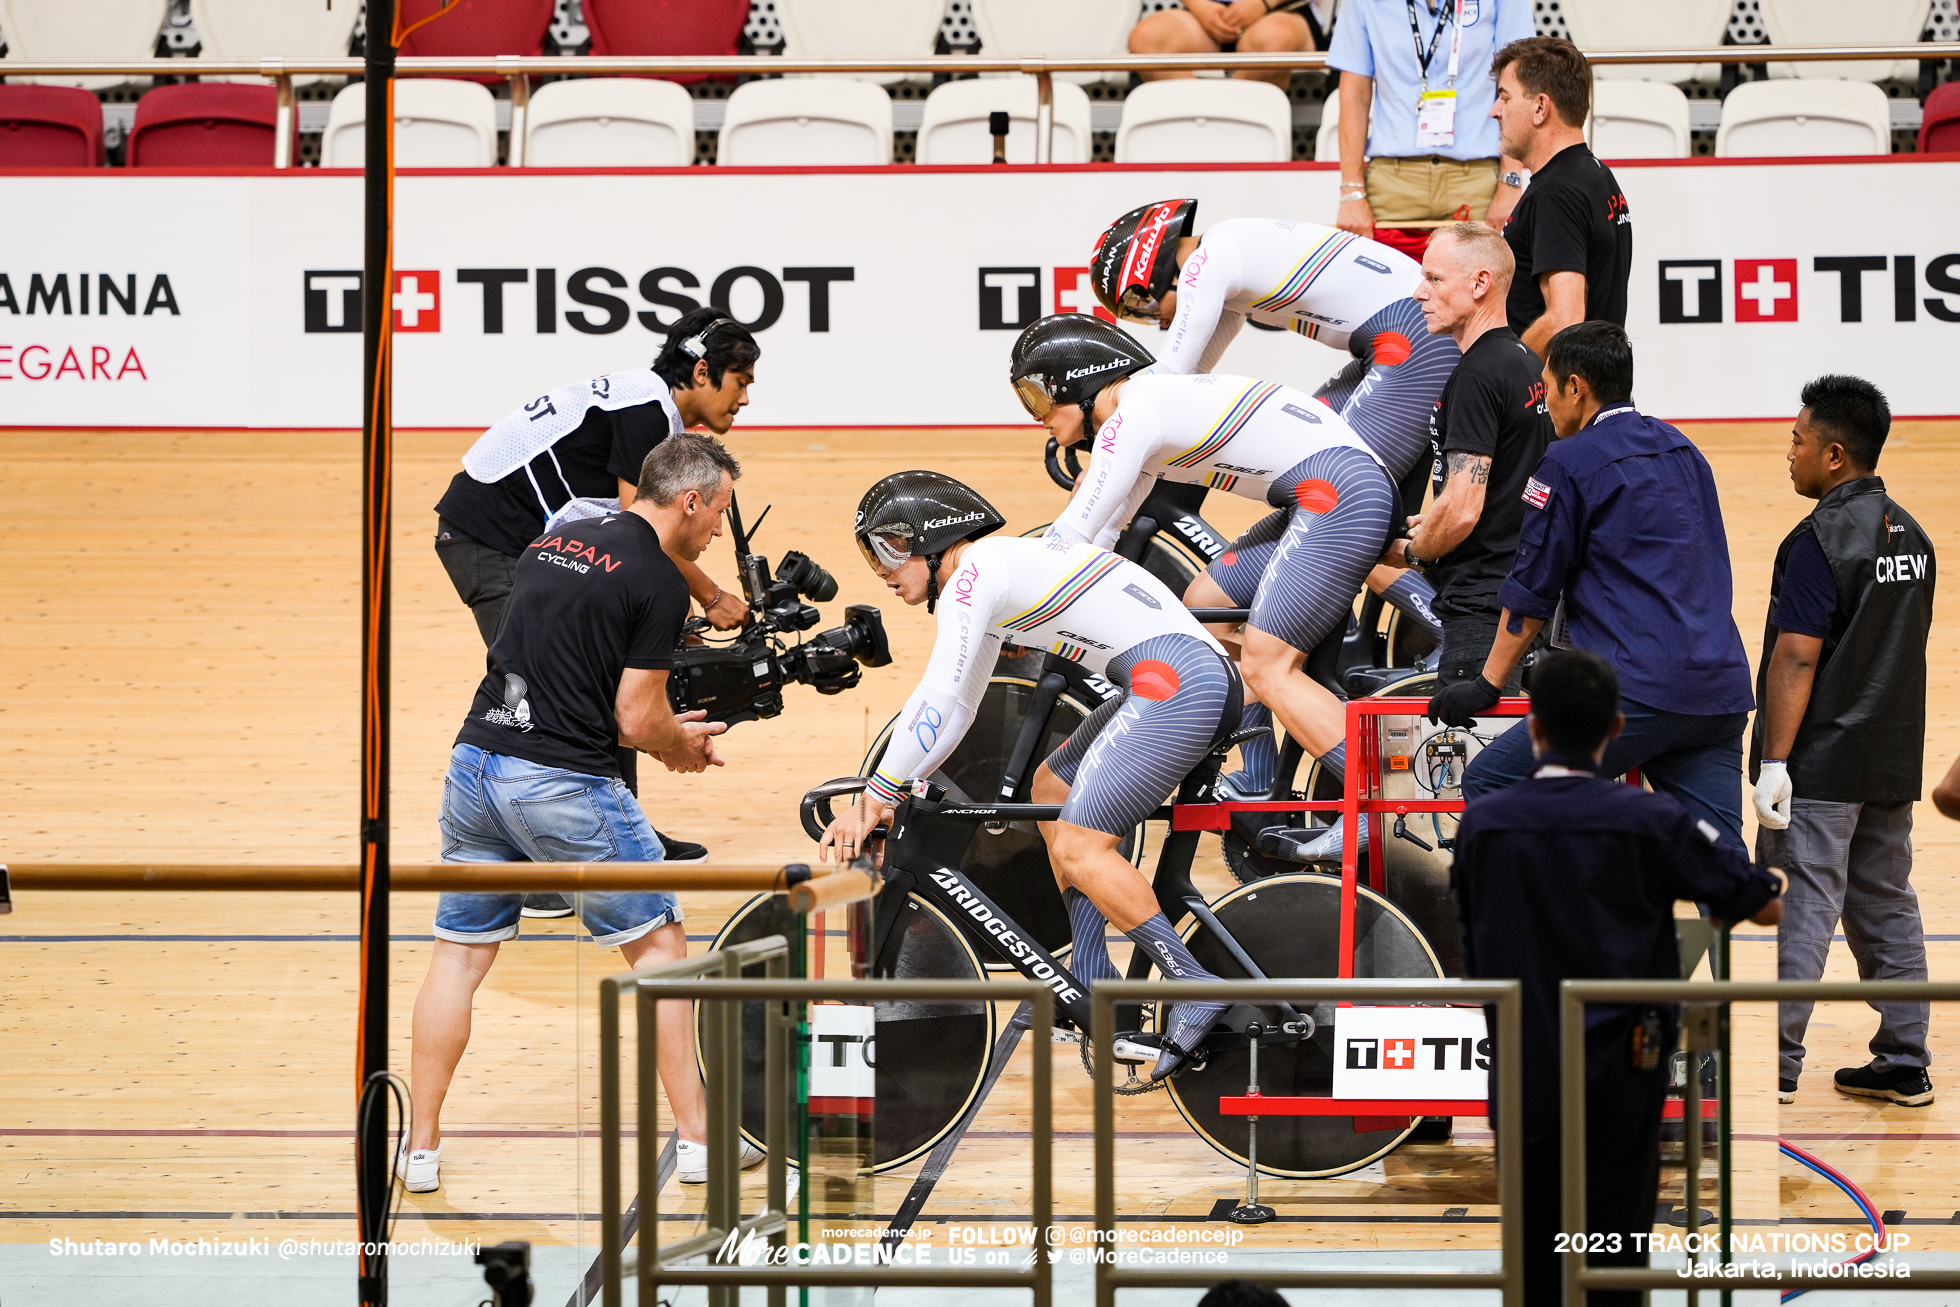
<point x="931" y="920"/>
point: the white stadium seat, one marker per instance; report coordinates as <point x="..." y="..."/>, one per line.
<point x="1043" y="28"/>
<point x="273" y="29"/>
<point x="1648" y="25"/>
<point x="82" y="29"/>
<point x="1639" y="120"/>
<point x="860" y="29"/>
<point x="609" y="122"/>
<point x="790" y="121"/>
<point x="1784" y="119"/>
<point x="1835" y="22"/>
<point x="438" y="124"/>
<point x="954" y="129"/>
<point x="1327" y="140"/>
<point x="1192" y="121"/>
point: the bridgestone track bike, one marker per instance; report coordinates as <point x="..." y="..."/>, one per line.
<point x="1035" y="700"/>
<point x="931" y="921"/>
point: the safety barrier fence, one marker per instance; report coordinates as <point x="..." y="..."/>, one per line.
<point x="807" y="891"/>
<point x="654" y="1265"/>
<point x="517" y="70"/>
<point x="1704" y="1009"/>
<point x="1509" y="1277"/>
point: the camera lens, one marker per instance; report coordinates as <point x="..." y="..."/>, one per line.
<point x="810" y="580"/>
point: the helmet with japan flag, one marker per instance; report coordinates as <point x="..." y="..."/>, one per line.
<point x="1135" y="262"/>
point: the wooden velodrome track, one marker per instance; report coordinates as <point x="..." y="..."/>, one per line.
<point x="178" y="635"/>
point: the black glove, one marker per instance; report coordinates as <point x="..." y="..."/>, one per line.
<point x="1459" y="702"/>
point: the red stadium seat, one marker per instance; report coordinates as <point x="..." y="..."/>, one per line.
<point x="215" y="124"/>
<point x="50" y="127"/>
<point x="671" y="27"/>
<point x="477" y="27"/>
<point x="1940" y="132"/>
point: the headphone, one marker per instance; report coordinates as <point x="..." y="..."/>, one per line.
<point x="697" y="346"/>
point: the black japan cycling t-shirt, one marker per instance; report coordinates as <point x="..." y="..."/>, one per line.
<point x="589" y="463"/>
<point x="586" y="603"/>
<point x="1493" y="404"/>
<point x="1572" y="218"/>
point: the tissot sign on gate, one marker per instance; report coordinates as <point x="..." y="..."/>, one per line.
<point x="879" y="298"/>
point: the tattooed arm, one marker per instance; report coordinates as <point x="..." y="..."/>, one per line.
<point x="1451" y="518"/>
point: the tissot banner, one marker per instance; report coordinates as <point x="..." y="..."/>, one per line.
<point x="881" y="297"/>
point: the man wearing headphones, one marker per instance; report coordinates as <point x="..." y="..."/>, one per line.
<point x="588" y="440"/>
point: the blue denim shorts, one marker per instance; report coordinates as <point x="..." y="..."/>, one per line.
<point x="496" y="808"/>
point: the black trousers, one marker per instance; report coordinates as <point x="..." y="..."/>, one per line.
<point x="482" y="577"/>
<point x="1623" y="1129"/>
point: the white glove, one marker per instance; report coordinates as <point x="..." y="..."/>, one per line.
<point x="1773" y="794"/>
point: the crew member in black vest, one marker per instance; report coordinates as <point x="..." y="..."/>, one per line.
<point x="1837" y="746"/>
<point x="588" y="441"/>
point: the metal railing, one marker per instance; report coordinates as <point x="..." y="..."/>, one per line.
<point x="1509" y="1277"/>
<point x="1700" y="1001"/>
<point x="807" y="890"/>
<point x="721" y="1053"/>
<point x="519" y="69"/>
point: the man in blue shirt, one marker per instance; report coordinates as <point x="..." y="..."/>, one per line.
<point x="1431" y="151"/>
<point x="1569" y="876"/>
<point x="1623" y="532"/>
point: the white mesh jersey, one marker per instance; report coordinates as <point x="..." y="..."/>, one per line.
<point x="1062" y="595"/>
<point x="1228" y="433"/>
<point x="1319" y="281"/>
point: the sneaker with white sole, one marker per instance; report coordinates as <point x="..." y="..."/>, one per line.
<point x="418" y="1169"/>
<point x="691" y="1160"/>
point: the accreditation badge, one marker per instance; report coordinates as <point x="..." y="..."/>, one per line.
<point x="1436" y="119"/>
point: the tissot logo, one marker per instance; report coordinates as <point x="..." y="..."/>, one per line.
<point x="1767" y="290"/>
<point x="600" y="306"/>
<point x="1075" y="292"/>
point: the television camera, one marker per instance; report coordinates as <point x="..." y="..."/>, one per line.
<point x="742" y="679"/>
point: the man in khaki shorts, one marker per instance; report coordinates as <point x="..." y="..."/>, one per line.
<point x="1417" y="144"/>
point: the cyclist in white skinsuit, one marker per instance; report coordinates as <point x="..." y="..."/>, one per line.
<point x="1180" y="697"/>
<point x="1297" y="569"/>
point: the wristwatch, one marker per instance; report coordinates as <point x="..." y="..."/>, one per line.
<point x="1409" y="557"/>
<point x="1515" y="180"/>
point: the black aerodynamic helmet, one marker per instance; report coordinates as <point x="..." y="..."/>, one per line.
<point x="1067" y="358"/>
<point x="920" y="513"/>
<point x="1135" y="262"/>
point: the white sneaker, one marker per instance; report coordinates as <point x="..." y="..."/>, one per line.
<point x="691" y="1160"/>
<point x="418" y="1169"/>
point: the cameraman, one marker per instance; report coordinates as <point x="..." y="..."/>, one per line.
<point x="578" y="667"/>
<point x="588" y="440"/>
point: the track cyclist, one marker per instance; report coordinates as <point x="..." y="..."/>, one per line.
<point x="1297" y="569"/>
<point x="921" y="533"/>
<point x="1326" y="284"/>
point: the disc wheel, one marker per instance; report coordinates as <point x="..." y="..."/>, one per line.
<point x="1290" y="926"/>
<point x="1009" y="861"/>
<point x="1408" y="640"/>
<point x="931" y="1057"/>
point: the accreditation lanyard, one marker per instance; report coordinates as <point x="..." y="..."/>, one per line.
<point x="1436" y="110"/>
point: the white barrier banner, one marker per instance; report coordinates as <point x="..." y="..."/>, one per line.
<point x="881" y="296"/>
<point x="844" y="1051"/>
<point x="1411" y="1052"/>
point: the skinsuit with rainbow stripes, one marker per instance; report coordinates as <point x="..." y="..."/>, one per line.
<point x="1330" y="286"/>
<point x="1181" y="693"/>
<point x="1298" y="568"/>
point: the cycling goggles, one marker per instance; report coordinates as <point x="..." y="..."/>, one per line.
<point x="887" y="548"/>
<point x="1139" y="305"/>
<point x="1035" y="396"/>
